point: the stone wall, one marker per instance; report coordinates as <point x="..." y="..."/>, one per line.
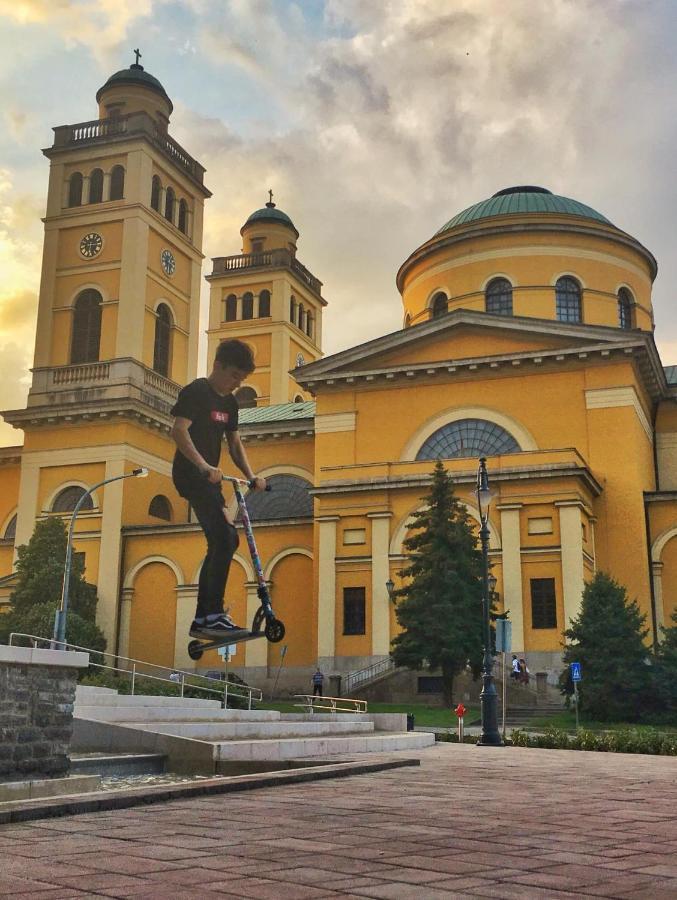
<point x="37" y="693"/>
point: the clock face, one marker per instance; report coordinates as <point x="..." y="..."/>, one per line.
<point x="168" y="262"/>
<point x="300" y="360"/>
<point x="91" y="245"/>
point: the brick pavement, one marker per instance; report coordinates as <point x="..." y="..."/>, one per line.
<point x="471" y="822"/>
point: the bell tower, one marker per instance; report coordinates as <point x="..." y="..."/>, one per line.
<point x="267" y="298"/>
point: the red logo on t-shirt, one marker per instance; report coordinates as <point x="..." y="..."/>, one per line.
<point x="218" y="416"/>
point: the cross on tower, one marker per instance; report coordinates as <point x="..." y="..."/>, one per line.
<point x="138" y="55"/>
<point x="271" y="196"/>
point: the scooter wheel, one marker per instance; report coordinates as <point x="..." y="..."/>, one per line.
<point x="195" y="649"/>
<point x="274" y="631"/>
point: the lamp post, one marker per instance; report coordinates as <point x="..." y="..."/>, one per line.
<point x="59" y="634"/>
<point x="490" y="736"/>
<point x="390" y="587"/>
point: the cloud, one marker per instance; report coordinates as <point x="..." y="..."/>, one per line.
<point x="18" y="311"/>
<point x="14" y="384"/>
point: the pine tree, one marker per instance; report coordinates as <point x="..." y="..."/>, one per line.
<point x="666" y="667"/>
<point x="607" y="638"/>
<point x="33" y="603"/>
<point x="440" y="609"/>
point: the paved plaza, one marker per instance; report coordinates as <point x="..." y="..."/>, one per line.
<point x="469" y="822"/>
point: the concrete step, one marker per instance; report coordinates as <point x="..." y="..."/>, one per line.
<point x="120" y="701"/>
<point x="299" y="748"/>
<point x="172" y="712"/>
<point x="90" y="690"/>
<point x="254" y="731"/>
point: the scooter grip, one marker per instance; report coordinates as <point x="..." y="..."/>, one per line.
<point x="268" y="487"/>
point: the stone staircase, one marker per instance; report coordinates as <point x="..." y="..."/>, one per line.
<point x="199" y="734"/>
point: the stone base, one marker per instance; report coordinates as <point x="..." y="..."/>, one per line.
<point x="50" y="787"/>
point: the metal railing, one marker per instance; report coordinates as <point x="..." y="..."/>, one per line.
<point x="176" y="676"/>
<point x="363" y="676"/>
<point x="280" y="257"/>
<point x="312" y="703"/>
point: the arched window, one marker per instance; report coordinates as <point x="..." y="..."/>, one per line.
<point x="183" y="216"/>
<point x="440" y="305"/>
<point x="468" y="438"/>
<point x="298" y="399"/>
<point x="248" y="305"/>
<point x="246" y="397"/>
<point x="499" y="297"/>
<point x="155" y="193"/>
<point x="163" y="332"/>
<point x="302" y="317"/>
<point x="10" y="531"/>
<point x="86" y="335"/>
<point x="231" y="308"/>
<point x="96" y="186"/>
<point x="117" y="183"/>
<point x="75" y="189"/>
<point x="568" y="299"/>
<point x="67" y="499"/>
<point x="625" y="308"/>
<point x="160" y="508"/>
<point x="309" y="324"/>
<point x="289" y="498"/>
<point x="169" y="204"/>
<point x="292" y="309"/>
<point x="264" y="304"/>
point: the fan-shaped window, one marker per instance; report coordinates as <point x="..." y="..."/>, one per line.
<point x="163" y="331"/>
<point x="96" y="186"/>
<point x="160" y="508"/>
<point x="568" y="299"/>
<point x="75" y="189"/>
<point x="468" y="437"/>
<point x="67" y="499"/>
<point x="292" y="309"/>
<point x="169" y="204"/>
<point x="155" y="193"/>
<point x="246" y="397"/>
<point x="289" y="498"/>
<point x="10" y="531"/>
<point x="183" y="216"/>
<point x="117" y="183"/>
<point x="248" y="305"/>
<point x="264" y="304"/>
<point x="625" y="308"/>
<point x="440" y="304"/>
<point x="231" y="308"/>
<point x="499" y="297"/>
<point x="86" y="327"/>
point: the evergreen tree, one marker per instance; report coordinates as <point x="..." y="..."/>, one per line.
<point x="666" y="667"/>
<point x="440" y="609"/>
<point x="36" y="597"/>
<point x="607" y="638"/>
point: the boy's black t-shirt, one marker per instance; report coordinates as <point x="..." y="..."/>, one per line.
<point x="211" y="415"/>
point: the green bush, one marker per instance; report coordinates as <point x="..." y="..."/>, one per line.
<point x="629" y="740"/>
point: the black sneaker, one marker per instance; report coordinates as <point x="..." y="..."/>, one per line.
<point x="219" y="627"/>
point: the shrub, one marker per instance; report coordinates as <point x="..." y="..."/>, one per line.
<point x="628" y="740"/>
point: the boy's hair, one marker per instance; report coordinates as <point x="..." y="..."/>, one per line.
<point x="235" y="353"/>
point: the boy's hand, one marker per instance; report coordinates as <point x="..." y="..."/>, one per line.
<point x="258" y="484"/>
<point x="213" y="474"/>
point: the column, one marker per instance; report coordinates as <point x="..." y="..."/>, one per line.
<point x="126" y="598"/>
<point x="326" y="597"/>
<point x="28" y="503"/>
<point x="106" y="187"/>
<point x="255" y="652"/>
<point x="513" y="600"/>
<point x="109" y="552"/>
<point x="657" y="574"/>
<point x="186" y="600"/>
<point x="380" y="572"/>
<point x="571" y="540"/>
<point x="85" y="190"/>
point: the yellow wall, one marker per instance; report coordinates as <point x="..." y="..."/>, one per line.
<point x="154" y="603"/>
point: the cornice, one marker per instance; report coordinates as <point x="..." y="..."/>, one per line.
<point x="100" y="411"/>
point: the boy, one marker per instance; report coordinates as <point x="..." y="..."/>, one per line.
<point x="204" y="411"/>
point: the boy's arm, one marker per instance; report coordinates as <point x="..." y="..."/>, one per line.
<point x="184" y="442"/>
<point x="239" y="457"/>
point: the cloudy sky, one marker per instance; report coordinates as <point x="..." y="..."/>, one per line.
<point x="373" y="121"/>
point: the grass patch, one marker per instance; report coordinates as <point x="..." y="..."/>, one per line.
<point x="424" y="716"/>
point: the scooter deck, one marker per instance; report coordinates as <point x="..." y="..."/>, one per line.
<point x="239" y="637"/>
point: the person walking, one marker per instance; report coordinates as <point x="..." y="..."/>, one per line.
<point x="515" y="673"/>
<point x="318" y="680"/>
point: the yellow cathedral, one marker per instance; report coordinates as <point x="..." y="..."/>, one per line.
<point x="527" y="337"/>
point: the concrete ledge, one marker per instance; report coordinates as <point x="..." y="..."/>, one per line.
<point x="84" y="803"/>
<point x="48" y="787"/>
<point x="35" y="657"/>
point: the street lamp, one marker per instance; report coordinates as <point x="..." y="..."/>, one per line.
<point x="390" y="587"/>
<point x="490" y="736"/>
<point x="59" y="634"/>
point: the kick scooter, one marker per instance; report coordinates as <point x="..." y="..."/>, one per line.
<point x="274" y="629"/>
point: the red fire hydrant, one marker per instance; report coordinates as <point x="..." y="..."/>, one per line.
<point x="460" y="712"/>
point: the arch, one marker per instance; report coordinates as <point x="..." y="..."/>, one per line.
<point x="230" y="308"/>
<point x="568" y="306"/>
<point x="264" y="304"/>
<point x="660" y="542"/>
<point x="289" y="499"/>
<point x="162" y="341"/>
<point x="80" y="484"/>
<point x="242" y="561"/>
<point x="155" y="189"/>
<point x="86" y="329"/>
<point x="439" y="420"/>
<point x="160" y="508"/>
<point x="68" y="497"/>
<point x="246" y="397"/>
<point x="75" y="189"/>
<point x="248" y="305"/>
<point x="147" y="560"/>
<point x="626" y="303"/>
<point x="9" y="531"/>
<point x="117" y="183"/>
<point x="96" y="186"/>
<point x="183" y="216"/>
<point x="288" y="551"/>
<point x="292" y="309"/>
<point x="439" y="304"/>
<point x="402" y="528"/>
<point x="498" y="297"/>
<point x="170" y="198"/>
<point x="468" y="438"/>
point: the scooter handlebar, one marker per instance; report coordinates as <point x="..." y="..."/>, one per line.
<point x="233" y="480"/>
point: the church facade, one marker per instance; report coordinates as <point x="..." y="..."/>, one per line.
<point x="527" y="337"/>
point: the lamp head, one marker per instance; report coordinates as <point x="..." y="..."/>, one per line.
<point x="483" y="492"/>
<point x="141" y="472"/>
<point x="390" y="587"/>
<point x="492" y="583"/>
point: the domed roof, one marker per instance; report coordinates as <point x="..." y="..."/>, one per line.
<point x="270" y="213"/>
<point x="523" y="199"/>
<point x="135" y="75"/>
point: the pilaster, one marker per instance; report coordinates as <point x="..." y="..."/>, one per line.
<point x="126" y="599"/>
<point x="131" y="310"/>
<point x="380" y="572"/>
<point x="657" y="574"/>
<point x="326" y="595"/>
<point x="255" y="652"/>
<point x="186" y="600"/>
<point x="513" y="600"/>
<point x="109" y="553"/>
<point x="571" y="539"/>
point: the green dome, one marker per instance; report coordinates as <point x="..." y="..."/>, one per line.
<point x="269" y="213"/>
<point x="523" y="199"/>
<point x="135" y="75"/>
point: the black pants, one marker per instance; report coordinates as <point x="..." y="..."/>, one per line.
<point x="317" y="690"/>
<point x="222" y="540"/>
